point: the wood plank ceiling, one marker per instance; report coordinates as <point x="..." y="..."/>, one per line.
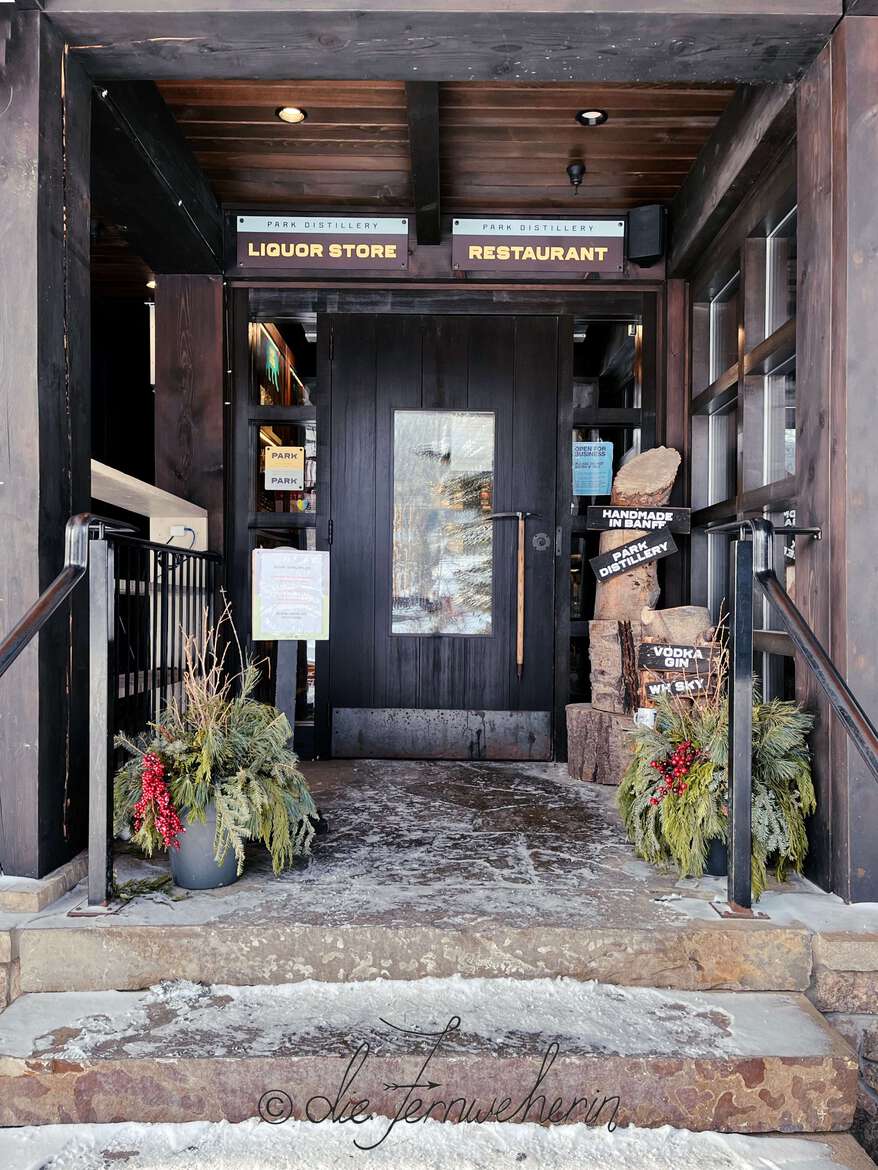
<point x="504" y="146"/>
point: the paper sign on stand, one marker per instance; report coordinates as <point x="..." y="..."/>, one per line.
<point x="290" y="595"/>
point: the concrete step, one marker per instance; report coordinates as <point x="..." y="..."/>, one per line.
<point x="502" y="1050"/>
<point x="431" y="1146"/>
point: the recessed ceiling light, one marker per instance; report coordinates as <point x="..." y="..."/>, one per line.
<point x="150" y="284"/>
<point x="292" y="114"/>
<point x="592" y="117"/>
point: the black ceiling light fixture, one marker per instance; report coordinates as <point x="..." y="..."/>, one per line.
<point x="591" y="117"/>
<point x="292" y="115"/>
<point x="576" y="173"/>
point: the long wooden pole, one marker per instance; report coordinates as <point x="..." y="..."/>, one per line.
<point x="519" y="642"/>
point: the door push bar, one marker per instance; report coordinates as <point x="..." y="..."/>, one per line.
<point x="521" y="517"/>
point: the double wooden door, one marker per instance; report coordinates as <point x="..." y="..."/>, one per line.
<point x="440" y="425"/>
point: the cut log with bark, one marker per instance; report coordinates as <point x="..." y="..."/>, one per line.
<point x="684" y="625"/>
<point x="614" y="673"/>
<point x="647" y="479"/>
<point x="599" y="744"/>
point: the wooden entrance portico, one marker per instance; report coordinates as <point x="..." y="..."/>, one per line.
<point x="174" y="156"/>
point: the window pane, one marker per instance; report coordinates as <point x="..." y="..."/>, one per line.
<point x="780" y="274"/>
<point x="286" y="467"/>
<point x="770" y="426"/>
<point x="443" y="488"/>
<point x="724" y="328"/>
<point x="780" y="424"/>
<point x="718" y="568"/>
<point x="283" y="363"/>
<point x="607" y="364"/>
<point x="723" y="456"/>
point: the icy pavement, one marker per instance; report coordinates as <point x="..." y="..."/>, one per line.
<point x="253" y="1145"/>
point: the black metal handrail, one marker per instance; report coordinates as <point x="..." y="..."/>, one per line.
<point x="76" y="544"/>
<point x="754" y="561"/>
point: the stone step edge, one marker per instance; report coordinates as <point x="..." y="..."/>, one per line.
<point x="122" y="956"/>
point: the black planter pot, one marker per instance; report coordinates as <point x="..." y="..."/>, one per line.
<point x="717" y="858"/>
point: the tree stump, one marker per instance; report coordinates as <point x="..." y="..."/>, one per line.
<point x="645" y="481"/>
<point x="599" y="746"/>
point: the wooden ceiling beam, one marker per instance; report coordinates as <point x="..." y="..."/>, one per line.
<point x="422" y="104"/>
<point x="651" y="41"/>
<point x="145" y="176"/>
<point x="758" y="124"/>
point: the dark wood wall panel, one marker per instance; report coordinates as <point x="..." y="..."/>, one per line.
<point x="536" y="399"/>
<point x="492" y="364"/>
<point x="813" y="431"/>
<point x="45" y="439"/>
<point x="189" y="394"/>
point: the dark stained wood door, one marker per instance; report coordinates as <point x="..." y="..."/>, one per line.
<point x="427" y="667"/>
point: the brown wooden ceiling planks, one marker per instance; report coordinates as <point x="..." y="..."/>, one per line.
<point x="504" y="147"/>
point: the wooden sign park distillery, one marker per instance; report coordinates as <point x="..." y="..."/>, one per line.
<point x="284" y="242"/>
<point x="538" y="245"/>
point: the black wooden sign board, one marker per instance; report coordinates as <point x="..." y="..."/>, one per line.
<point x="606" y="517"/>
<point x="688" y="688"/>
<point x="659" y="657"/>
<point x="633" y="554"/>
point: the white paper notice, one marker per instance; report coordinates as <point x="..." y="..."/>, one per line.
<point x="290" y="595"/>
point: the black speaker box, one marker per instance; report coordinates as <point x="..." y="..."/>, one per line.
<point x="645" y="238"/>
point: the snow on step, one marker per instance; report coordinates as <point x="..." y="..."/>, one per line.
<point x="431" y="1146"/>
<point x="503" y="1050"/>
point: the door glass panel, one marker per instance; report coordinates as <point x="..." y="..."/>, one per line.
<point x="443" y="489"/>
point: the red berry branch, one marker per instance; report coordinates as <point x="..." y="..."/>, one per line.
<point x="674" y="771"/>
<point x="156" y="799"/>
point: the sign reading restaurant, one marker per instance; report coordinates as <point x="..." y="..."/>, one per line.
<point x="538" y="245"/>
<point x="322" y="241"/>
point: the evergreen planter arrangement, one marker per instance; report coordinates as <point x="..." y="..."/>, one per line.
<point x="213" y="773"/>
<point x="674" y="795"/>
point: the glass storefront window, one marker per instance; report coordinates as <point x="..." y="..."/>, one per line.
<point x="443" y="541"/>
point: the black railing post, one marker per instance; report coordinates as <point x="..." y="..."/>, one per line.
<point x="101" y="681"/>
<point x="740" y="768"/>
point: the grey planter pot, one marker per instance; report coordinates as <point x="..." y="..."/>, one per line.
<point x="193" y="865"/>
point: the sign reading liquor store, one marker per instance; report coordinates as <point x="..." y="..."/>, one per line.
<point x="606" y="517"/>
<point x="538" y="245"/>
<point x="322" y="241"/>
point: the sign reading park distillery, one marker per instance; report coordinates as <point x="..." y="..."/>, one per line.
<point x="538" y="245"/>
<point x="633" y="554"/>
<point x="322" y="241"/>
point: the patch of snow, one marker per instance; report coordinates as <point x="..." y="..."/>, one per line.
<point x="429" y="1145"/>
<point x="190" y="1020"/>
